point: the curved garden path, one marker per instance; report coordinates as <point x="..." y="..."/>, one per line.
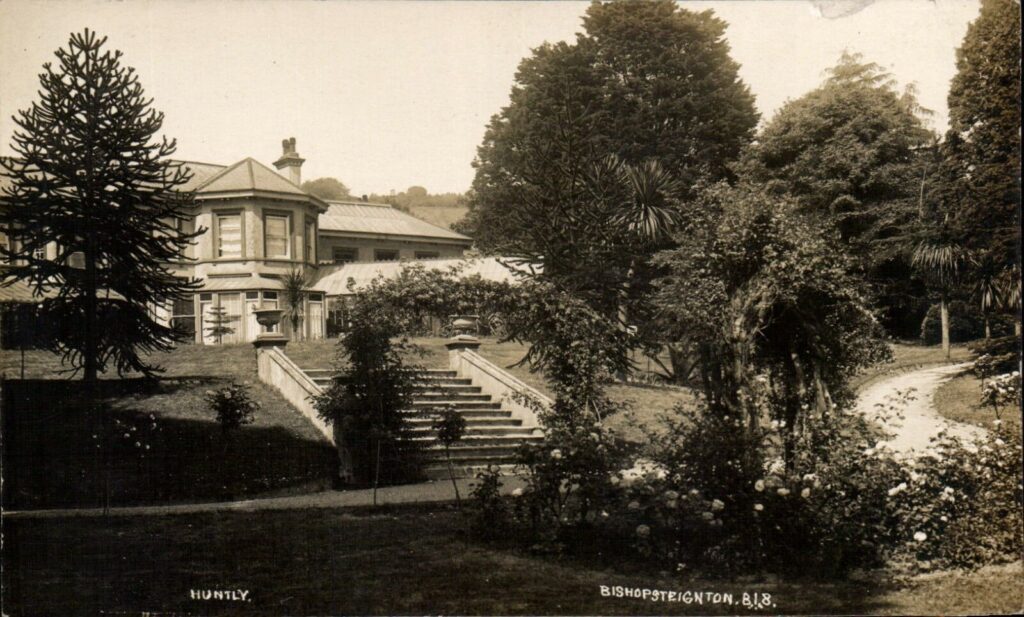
<point x="920" y="421"/>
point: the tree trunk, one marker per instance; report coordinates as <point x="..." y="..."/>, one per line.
<point x="944" y="310"/>
<point x="988" y="328"/>
<point x="90" y="325"/>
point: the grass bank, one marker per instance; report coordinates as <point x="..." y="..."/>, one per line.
<point x="164" y="443"/>
<point x="403" y="560"/>
<point x="959" y="399"/>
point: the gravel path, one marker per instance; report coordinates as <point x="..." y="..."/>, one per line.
<point x="920" y="421"/>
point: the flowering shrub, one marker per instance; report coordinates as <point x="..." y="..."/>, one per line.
<point x="1002" y="391"/>
<point x="996" y="356"/>
<point x="233" y="405"/>
<point x="961" y="505"/>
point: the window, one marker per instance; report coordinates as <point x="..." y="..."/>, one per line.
<point x="39" y="253"/>
<point x="310" y="241"/>
<point x="385" y="255"/>
<point x="229" y="235"/>
<point x="427" y="254"/>
<point x="275" y="236"/>
<point x="343" y="255"/>
<point x="183" y="317"/>
<point x="187" y="226"/>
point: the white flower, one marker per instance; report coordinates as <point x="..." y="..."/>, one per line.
<point x="947" y="491"/>
<point x="810" y="477"/>
<point x="671" y="504"/>
<point x="1000" y="442"/>
<point x="707" y="516"/>
<point x="643" y="531"/>
<point x="671" y="495"/>
<point x="920" y="536"/>
<point x="614" y="480"/>
<point x="944" y="518"/>
<point x="556" y="454"/>
<point x="997" y="422"/>
<point x="604" y="514"/>
<point x="517" y="492"/>
<point x="717" y="505"/>
<point x="783" y="492"/>
<point x="805" y="493"/>
<point x="634" y="505"/>
<point x="694" y="492"/>
<point x="758" y="507"/>
<point x="759" y="485"/>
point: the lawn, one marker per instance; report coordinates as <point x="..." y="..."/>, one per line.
<point x="959" y="399"/>
<point x="911" y="355"/>
<point x="51" y="455"/>
<point x="401" y="560"/>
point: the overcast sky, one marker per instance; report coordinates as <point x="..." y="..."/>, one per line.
<point x="387" y="95"/>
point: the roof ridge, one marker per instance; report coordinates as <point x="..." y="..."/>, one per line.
<point x="198" y="162"/>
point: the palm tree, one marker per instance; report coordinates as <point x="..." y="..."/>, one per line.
<point x="1008" y="285"/>
<point x="986" y="290"/>
<point x="294" y="286"/>
<point x="941" y="264"/>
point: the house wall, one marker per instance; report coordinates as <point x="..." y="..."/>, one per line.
<point x="365" y="247"/>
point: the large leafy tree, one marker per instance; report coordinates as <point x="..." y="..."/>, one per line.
<point x="982" y="148"/>
<point x="853" y="154"/>
<point x="90" y="177"/>
<point x="327" y="188"/>
<point x="645" y="81"/>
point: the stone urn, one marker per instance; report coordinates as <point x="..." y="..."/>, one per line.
<point x="269" y="318"/>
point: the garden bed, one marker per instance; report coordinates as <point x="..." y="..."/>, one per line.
<point x="959" y="400"/>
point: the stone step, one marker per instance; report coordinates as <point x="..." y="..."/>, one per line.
<point x="492" y="446"/>
<point x="466" y="469"/>
<point x="459" y="405"/>
<point x="430" y="373"/>
<point x="443" y="389"/>
<point x="450" y="396"/>
<point x="477" y="431"/>
<point x="488" y="420"/>
<point x="468" y="414"/>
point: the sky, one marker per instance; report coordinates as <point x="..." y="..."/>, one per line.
<point x="385" y="95"/>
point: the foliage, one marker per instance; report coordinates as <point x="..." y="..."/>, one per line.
<point x="293" y="290"/>
<point x="588" y="167"/>
<point x="852" y="153"/>
<point x="233" y="405"/>
<point x="327" y="188"/>
<point x="450" y="427"/>
<point x="218" y="319"/>
<point x="996" y="356"/>
<point x="89" y="176"/>
<point x="982" y="147"/>
<point x="368" y="404"/>
<point x="1002" y="391"/>
<point x="966" y="323"/>
<point x="767" y="298"/>
<point x="490" y="517"/>
<point x="418" y="197"/>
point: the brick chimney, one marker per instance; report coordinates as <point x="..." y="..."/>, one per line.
<point x="290" y="159"/>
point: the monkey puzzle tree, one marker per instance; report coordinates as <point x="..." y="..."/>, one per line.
<point x="90" y="178"/>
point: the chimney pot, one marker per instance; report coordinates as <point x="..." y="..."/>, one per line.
<point x="290" y="159"/>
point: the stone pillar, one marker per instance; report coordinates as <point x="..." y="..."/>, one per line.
<point x="456" y="345"/>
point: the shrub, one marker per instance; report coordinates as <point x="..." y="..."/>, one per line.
<point x="1002" y="391"/>
<point x="489" y="515"/>
<point x="996" y="356"/>
<point x="368" y="404"/>
<point x="966" y="323"/>
<point x="233" y="405"/>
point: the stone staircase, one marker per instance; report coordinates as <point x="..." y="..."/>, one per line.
<point x="492" y="434"/>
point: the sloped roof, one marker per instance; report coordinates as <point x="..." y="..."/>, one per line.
<point x="333" y="280"/>
<point x="201" y="172"/>
<point x="381" y="220"/>
<point x="238" y="283"/>
<point x="248" y="175"/>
